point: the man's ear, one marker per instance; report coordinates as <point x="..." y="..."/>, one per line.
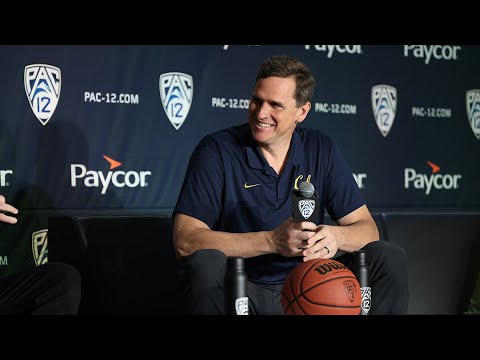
<point x="303" y="111"/>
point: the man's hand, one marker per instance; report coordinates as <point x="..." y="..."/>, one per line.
<point x="4" y="207"/>
<point x="322" y="245"/>
<point x="291" y="238"/>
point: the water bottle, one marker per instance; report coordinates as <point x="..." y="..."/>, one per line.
<point x="236" y="297"/>
<point x="360" y="269"/>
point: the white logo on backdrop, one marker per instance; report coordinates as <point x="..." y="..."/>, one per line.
<point x="384" y="105"/>
<point x="472" y="99"/>
<point x="39" y="246"/>
<point x="42" y="86"/>
<point x="3" y="177"/>
<point x="176" y="93"/>
<point x="332" y="49"/>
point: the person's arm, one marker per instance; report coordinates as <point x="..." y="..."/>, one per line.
<point x="354" y="231"/>
<point x="4" y="207"/>
<point x="191" y="234"/>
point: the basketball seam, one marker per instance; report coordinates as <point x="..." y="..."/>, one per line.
<point x="295" y="298"/>
<point x="323" y="282"/>
<point x="302" y="294"/>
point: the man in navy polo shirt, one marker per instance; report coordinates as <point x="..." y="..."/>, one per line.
<point x="236" y="201"/>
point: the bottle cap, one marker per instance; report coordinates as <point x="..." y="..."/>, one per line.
<point x="361" y="257"/>
<point x="235" y="263"/>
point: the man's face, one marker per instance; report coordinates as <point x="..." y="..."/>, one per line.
<point x="273" y="112"/>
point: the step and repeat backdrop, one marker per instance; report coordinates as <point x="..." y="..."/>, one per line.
<point x="111" y="128"/>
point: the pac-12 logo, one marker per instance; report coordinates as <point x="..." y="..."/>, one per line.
<point x="384" y="105"/>
<point x="42" y="86"/>
<point x="366" y="298"/>
<point x="176" y="93"/>
<point x="241" y="306"/>
<point x="306" y="208"/>
<point x="473" y="110"/>
<point x="40" y="246"/>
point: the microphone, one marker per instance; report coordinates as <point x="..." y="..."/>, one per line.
<point x="304" y="203"/>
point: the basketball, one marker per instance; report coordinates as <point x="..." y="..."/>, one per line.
<point x="321" y="287"/>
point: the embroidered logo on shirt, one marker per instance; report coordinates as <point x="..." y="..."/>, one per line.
<point x="300" y="177"/>
<point x="249" y="186"/>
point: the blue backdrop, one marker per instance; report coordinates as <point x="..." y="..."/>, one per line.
<point x="97" y="128"/>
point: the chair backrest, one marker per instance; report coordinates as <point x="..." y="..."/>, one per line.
<point x="127" y="262"/>
<point x="128" y="265"/>
<point x="443" y="252"/>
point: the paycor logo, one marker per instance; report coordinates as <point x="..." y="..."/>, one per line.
<point x="360" y="178"/>
<point x="438" y="52"/>
<point x="342" y="49"/>
<point x="433" y="180"/>
<point x="3" y="177"/>
<point x="119" y="178"/>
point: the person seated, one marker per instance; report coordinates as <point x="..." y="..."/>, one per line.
<point x="48" y="289"/>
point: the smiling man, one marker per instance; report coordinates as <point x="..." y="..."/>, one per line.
<point x="236" y="201"/>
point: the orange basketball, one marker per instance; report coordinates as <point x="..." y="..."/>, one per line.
<point x="321" y="287"/>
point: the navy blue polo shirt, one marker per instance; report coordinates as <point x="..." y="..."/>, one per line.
<point x="231" y="187"/>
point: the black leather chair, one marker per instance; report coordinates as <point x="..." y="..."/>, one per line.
<point x="127" y="262"/>
<point x="443" y="251"/>
<point x="128" y="265"/>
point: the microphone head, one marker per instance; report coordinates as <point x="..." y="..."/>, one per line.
<point x="306" y="189"/>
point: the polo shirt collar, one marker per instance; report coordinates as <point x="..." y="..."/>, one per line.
<point x="257" y="161"/>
